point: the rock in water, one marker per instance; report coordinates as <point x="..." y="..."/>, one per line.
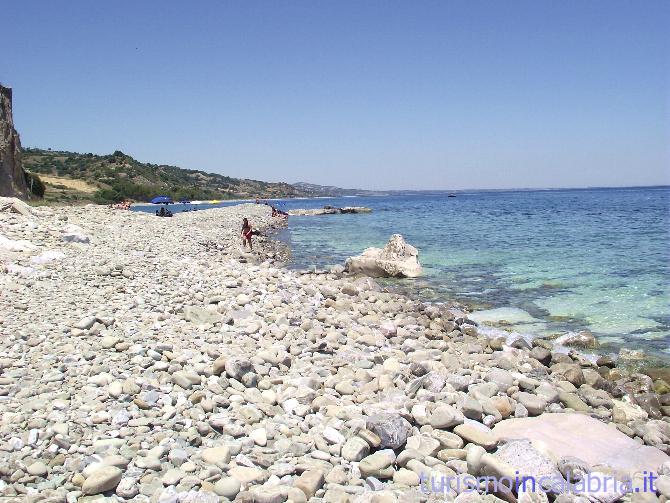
<point x="583" y="339"/>
<point x="329" y="210"/>
<point x="12" y="176"/>
<point x="397" y="259"/>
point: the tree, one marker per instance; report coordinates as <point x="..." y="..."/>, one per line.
<point x="35" y="184"/>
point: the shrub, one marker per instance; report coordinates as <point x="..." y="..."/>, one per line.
<point x="35" y="184"/>
<point x="106" y="196"/>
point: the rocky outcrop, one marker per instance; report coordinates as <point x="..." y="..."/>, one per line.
<point x="12" y="176"/>
<point x="329" y="210"/>
<point x="596" y="443"/>
<point x="397" y="259"/>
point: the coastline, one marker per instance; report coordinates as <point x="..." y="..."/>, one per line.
<point x="153" y="350"/>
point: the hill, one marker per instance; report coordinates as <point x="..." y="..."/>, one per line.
<point x="71" y="177"/>
<point x="331" y="191"/>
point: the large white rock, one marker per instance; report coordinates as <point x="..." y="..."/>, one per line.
<point x="74" y="234"/>
<point x="101" y="480"/>
<point x="397" y="259"/>
<point x="560" y="435"/>
<point x="201" y="315"/>
<point x="14" y="205"/>
<point x="48" y="256"/>
<point x="21" y="245"/>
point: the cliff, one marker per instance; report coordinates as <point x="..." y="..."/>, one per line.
<point x="12" y="176"/>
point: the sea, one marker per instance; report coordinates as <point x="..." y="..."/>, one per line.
<point x="535" y="262"/>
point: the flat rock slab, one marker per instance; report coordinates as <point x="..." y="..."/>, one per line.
<point x="559" y="435"/>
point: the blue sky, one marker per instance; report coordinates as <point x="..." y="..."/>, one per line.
<point x="374" y="94"/>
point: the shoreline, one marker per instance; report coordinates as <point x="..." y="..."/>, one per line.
<point x="149" y="356"/>
<point x="403" y="287"/>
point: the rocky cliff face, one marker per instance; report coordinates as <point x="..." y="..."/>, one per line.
<point x="12" y="176"/>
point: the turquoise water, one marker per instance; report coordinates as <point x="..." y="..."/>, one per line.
<point x="545" y="261"/>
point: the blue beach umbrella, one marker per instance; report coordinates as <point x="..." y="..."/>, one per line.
<point x="162" y="200"/>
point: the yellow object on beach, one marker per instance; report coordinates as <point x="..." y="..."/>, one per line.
<point x="214" y="201"/>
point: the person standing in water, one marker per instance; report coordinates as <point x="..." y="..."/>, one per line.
<point x="246" y="234"/>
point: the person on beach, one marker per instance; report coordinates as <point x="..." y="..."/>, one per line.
<point x="123" y="205"/>
<point x="246" y="234"/>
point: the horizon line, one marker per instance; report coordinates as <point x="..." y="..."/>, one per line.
<point x="469" y="189"/>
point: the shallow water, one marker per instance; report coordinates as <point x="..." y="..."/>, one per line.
<point x="564" y="260"/>
<point x="545" y="262"/>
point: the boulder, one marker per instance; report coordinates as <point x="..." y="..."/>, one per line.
<point x="534" y="404"/>
<point x="392" y="429"/>
<point x="329" y="210"/>
<point x="228" y="487"/>
<point x="377" y="464"/>
<point x="237" y="367"/>
<point x="530" y="463"/>
<point x="14" y="205"/>
<point x="201" y="315"/>
<point x="103" y="479"/>
<point x="478" y="434"/>
<point x="355" y="209"/>
<point x="397" y="259"/>
<point x="74" y="234"/>
<point x="584" y="339"/>
<point x="20" y="245"/>
<point x="355" y="449"/>
<point x="446" y="416"/>
<point x="310" y="482"/>
<point x="561" y="435"/>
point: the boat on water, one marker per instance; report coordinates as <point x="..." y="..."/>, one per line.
<point x="162" y="200"/>
<point x="451" y="194"/>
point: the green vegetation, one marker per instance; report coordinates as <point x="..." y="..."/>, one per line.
<point x="118" y="176"/>
<point x="35" y="184"/>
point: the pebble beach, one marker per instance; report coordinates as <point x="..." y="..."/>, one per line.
<point x="153" y="359"/>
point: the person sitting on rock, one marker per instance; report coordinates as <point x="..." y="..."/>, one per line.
<point x="246" y="234"/>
